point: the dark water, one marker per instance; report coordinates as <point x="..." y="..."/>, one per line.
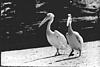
<point x="19" y="24"/>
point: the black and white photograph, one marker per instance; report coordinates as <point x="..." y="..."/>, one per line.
<point x="50" y="33"/>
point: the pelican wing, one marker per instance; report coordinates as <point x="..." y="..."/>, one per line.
<point x="78" y="37"/>
<point x="61" y="39"/>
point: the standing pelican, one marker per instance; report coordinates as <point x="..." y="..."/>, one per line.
<point x="55" y="38"/>
<point x="74" y="39"/>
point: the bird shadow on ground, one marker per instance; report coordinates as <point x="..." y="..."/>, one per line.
<point x="66" y="59"/>
<point x="69" y="58"/>
<point x="43" y="58"/>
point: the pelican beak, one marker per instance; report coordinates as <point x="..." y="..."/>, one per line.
<point x="69" y="20"/>
<point x="67" y="23"/>
<point x="44" y="20"/>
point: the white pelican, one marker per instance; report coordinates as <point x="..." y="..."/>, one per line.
<point x="74" y="39"/>
<point x="55" y="38"/>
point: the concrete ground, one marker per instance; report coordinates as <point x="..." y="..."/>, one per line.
<point x="44" y="57"/>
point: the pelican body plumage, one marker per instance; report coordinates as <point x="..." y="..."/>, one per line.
<point x="74" y="38"/>
<point x="55" y="38"/>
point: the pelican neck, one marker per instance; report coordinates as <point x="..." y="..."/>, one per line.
<point x="70" y="30"/>
<point x="49" y="24"/>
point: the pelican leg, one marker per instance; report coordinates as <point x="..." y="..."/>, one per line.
<point x="79" y="52"/>
<point x="71" y="53"/>
<point x="57" y="53"/>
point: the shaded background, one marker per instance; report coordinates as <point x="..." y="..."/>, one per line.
<point x="20" y="19"/>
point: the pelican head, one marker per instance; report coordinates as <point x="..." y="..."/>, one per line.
<point x="49" y="16"/>
<point x="69" y="20"/>
<point x="69" y="15"/>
